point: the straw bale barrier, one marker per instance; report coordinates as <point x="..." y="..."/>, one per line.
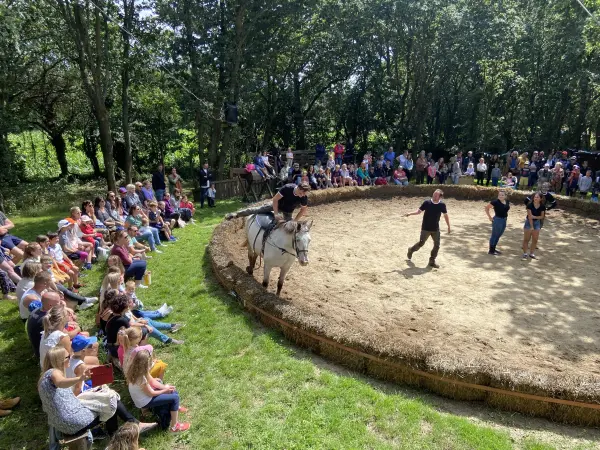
<point x="560" y="397"/>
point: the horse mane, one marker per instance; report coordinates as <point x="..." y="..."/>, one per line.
<point x="290" y="226"/>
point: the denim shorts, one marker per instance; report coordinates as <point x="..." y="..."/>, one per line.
<point x="537" y="225"/>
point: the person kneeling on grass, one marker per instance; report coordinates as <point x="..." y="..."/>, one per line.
<point x="148" y="392"/>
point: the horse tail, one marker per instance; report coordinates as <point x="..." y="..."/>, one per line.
<point x="245" y="243"/>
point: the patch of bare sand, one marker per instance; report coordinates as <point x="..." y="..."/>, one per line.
<point x="537" y="315"/>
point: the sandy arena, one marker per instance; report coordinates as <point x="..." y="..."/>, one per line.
<point x="536" y="316"/>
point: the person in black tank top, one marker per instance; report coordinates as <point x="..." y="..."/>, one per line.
<point x="501" y="207"/>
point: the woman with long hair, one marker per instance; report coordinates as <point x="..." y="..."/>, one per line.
<point x="536" y="211"/>
<point x="501" y="207"/>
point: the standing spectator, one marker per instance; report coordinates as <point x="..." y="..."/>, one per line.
<point x="467" y="159"/>
<point x="403" y="158"/>
<point x="408" y="168"/>
<point x="390" y="155"/>
<point x="400" y="177"/>
<point x="175" y="181"/>
<point x="496" y="174"/>
<point x="319" y="154"/>
<point x="513" y="162"/>
<point x="205" y="177"/>
<point x="11" y="243"/>
<point x="421" y="167"/>
<point x="212" y="192"/>
<point x="491" y="165"/>
<point x="455" y="171"/>
<point x="431" y="173"/>
<point x="585" y="183"/>
<point x="349" y="155"/>
<point x="573" y="181"/>
<point x="501" y="207"/>
<point x="557" y="177"/>
<point x="338" y="151"/>
<point x="158" y="182"/>
<point x="534" y="166"/>
<point x="481" y="171"/>
<point x="544" y="175"/>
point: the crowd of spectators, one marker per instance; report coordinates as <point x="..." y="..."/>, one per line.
<point x="525" y="170"/>
<point x="122" y="231"/>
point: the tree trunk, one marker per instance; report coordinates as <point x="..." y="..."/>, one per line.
<point x="90" y="148"/>
<point x="58" y="142"/>
<point x="128" y="10"/>
<point x="298" y="116"/>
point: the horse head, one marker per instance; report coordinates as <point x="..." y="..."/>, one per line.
<point x="301" y="238"/>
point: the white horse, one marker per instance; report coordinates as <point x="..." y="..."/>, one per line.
<point x="286" y="243"/>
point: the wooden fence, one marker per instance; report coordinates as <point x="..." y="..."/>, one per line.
<point x="225" y="189"/>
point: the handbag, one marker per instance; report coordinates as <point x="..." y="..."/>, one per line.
<point x="101" y="400"/>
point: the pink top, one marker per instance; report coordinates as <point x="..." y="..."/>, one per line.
<point x="122" y="253"/>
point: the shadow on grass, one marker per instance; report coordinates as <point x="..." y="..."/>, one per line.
<point x="469" y="410"/>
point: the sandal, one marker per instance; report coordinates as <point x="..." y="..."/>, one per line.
<point x="180" y="426"/>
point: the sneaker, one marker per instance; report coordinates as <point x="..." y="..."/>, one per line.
<point x="173" y="239"/>
<point x="169" y="310"/>
<point x="142" y="286"/>
<point x="85" y="305"/>
<point x="433" y="265"/>
<point x="158" y="251"/>
<point x="497" y="252"/>
<point x="180" y="426"/>
<point x="175" y="342"/>
<point x="147" y="256"/>
<point x="409" y="254"/>
<point x="163" y="310"/>
<point x="91" y="300"/>
<point x="532" y="256"/>
<point x="176" y="327"/>
<point x="525" y="256"/>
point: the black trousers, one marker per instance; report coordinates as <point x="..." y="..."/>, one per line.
<point x="112" y="424"/>
<point x="435" y="235"/>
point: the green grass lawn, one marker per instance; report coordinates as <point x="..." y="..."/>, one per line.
<point x="245" y="386"/>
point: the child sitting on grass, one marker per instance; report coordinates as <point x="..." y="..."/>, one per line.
<point x="148" y="392"/>
<point x="185" y="203"/>
<point x="126" y="438"/>
<point x="171" y="222"/>
<point x="62" y="261"/>
<point x="130" y="340"/>
<point x="84" y="348"/>
<point x="157" y="221"/>
<point x="59" y="275"/>
<point x="138" y="306"/>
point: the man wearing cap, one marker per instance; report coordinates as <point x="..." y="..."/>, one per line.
<point x="282" y="205"/>
<point x="9" y="242"/>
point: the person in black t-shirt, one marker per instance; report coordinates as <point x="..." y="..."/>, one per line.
<point x="548" y="200"/>
<point x="283" y="204"/>
<point x="433" y="210"/>
<point x="501" y="207"/>
<point x="536" y="212"/>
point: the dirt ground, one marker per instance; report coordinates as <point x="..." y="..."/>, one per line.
<point x="536" y="315"/>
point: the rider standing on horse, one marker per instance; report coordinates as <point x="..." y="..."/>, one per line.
<point x="283" y="204"/>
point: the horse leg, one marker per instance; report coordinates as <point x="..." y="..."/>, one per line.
<point x="267" y="274"/>
<point x="282" y="274"/>
<point x="251" y="260"/>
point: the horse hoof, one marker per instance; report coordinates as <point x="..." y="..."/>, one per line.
<point x="249" y="270"/>
<point x="265" y="284"/>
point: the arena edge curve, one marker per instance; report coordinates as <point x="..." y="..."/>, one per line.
<point x="572" y="401"/>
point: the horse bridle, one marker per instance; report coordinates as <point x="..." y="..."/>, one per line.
<point x="283" y="250"/>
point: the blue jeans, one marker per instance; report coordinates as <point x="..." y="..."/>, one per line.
<point x="498" y="227"/>
<point x="165" y="399"/>
<point x="533" y="177"/>
<point x="338" y="160"/>
<point x="401" y="183"/>
<point x="149" y="238"/>
<point x="494" y="181"/>
<point x="160" y="194"/>
<point x="203" y="195"/>
<point x="147" y="314"/>
<point x="156" y="334"/>
<point x="136" y="270"/>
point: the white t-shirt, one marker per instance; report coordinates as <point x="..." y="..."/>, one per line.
<point x="24" y="310"/>
<point x="49" y="342"/>
<point x="139" y="397"/>
<point x="56" y="252"/>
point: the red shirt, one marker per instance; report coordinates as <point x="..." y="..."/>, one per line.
<point x="338" y="149"/>
<point x="122" y="253"/>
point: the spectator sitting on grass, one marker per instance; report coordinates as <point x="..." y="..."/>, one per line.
<point x="510" y="180"/>
<point x="83" y="302"/>
<point x="336" y="176"/>
<point x="130" y="342"/>
<point x="10" y="242"/>
<point x="400" y="177"/>
<point x="184" y="203"/>
<point x="168" y="211"/>
<point x="184" y="213"/>
<point x="29" y="271"/>
<point x="134" y="268"/>
<point x="75" y="248"/>
<point x="7" y="286"/>
<point x="32" y="252"/>
<point x="8" y="266"/>
<point x="103" y="215"/>
<point x="136" y="248"/>
<point x="149" y="234"/>
<point x="62" y="261"/>
<point x="363" y="175"/>
<point x="156" y="221"/>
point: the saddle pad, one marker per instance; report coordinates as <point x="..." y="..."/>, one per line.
<point x="264" y="221"/>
